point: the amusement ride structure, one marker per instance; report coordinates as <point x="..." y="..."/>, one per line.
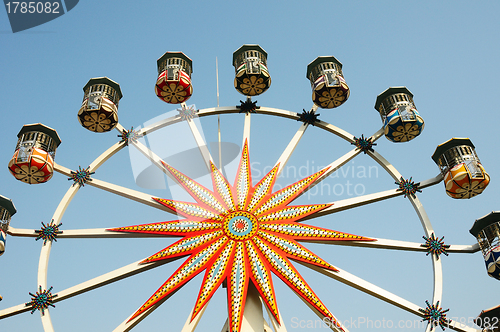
<point x="240" y="232"/>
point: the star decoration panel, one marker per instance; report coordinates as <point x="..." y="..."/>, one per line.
<point x="240" y="234"/>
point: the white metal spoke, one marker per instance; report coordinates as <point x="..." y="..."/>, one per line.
<point x="380" y="293"/>
<point x="246" y="129"/>
<point x="219" y="141"/>
<point x="128" y="324"/>
<point x="154" y="158"/>
<point x="137" y="196"/>
<point x="367" y="287"/>
<point x="457" y="326"/>
<point x="355" y="202"/>
<point x="225" y="327"/>
<point x="291" y="147"/>
<point x="110" y="277"/>
<point x="202" y="145"/>
<point x="334" y="327"/>
<point x="107" y="278"/>
<point x="368" y="199"/>
<point x="283" y="159"/>
<point x="190" y="325"/>
<point x="18" y="309"/>
<point x="103" y="233"/>
<point x="134" y="195"/>
<point x="337" y="164"/>
<point x="83" y="233"/>
<point x="397" y="245"/>
<point x="276" y="326"/>
<point x="378" y="243"/>
<point x="334" y="166"/>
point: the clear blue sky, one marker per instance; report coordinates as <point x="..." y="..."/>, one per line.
<point x="446" y="53"/>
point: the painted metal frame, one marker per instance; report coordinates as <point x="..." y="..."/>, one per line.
<point x="253" y="319"/>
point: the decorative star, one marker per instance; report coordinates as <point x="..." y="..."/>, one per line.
<point x="48" y="232"/>
<point x="364" y="144"/>
<point x="248" y="106"/>
<point x="41" y="300"/>
<point x="81" y="176"/>
<point x="435" y="246"/>
<point x="129" y="136"/>
<point x="240" y="234"/>
<point x="435" y="315"/>
<point x="187" y="113"/>
<point x="408" y="187"/>
<point x="308" y="117"/>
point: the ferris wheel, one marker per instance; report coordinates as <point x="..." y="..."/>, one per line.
<point x="242" y="234"/>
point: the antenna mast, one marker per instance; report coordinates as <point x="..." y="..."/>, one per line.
<point x="218" y="116"/>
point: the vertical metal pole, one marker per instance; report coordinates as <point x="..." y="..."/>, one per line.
<point x="218" y="116"/>
<point x="217" y="76"/>
<point x="253" y="319"/>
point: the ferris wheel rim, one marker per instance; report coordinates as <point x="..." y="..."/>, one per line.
<point x="45" y="252"/>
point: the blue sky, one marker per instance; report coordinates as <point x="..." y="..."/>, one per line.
<point x="446" y="53"/>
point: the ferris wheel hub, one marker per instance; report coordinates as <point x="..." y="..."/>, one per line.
<point x="240" y="225"/>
